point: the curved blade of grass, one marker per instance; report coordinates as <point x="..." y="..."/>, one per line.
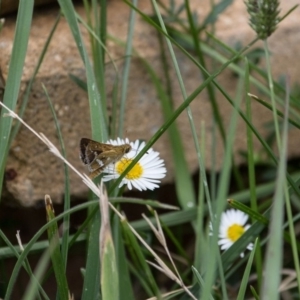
<point x="13" y="81"/>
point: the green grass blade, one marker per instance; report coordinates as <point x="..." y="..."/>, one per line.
<point x="125" y="284"/>
<point x="99" y="10"/>
<point x="99" y="132"/>
<point x="14" y="77"/>
<point x="128" y="53"/>
<point x="91" y="286"/>
<point x="243" y="286"/>
<point x="274" y="253"/>
<point x="98" y="119"/>
<point x="109" y="271"/>
<point x="251" y="173"/>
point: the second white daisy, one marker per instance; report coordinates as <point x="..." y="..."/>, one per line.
<point x="232" y="227"/>
<point x="146" y="173"/>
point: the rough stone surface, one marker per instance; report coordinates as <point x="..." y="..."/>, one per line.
<point x="32" y="171"/>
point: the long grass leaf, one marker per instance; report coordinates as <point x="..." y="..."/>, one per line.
<point x="98" y="120"/>
<point x="128" y="53"/>
<point x="125" y="283"/>
<point x="13" y="81"/>
<point x="274" y="248"/>
<point x="243" y="286"/>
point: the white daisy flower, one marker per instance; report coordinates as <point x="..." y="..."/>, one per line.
<point x="146" y="173"/>
<point x="232" y="227"/>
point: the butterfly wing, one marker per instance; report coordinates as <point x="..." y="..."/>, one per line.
<point x="98" y="155"/>
<point x="91" y="150"/>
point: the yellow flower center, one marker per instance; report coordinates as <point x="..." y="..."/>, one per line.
<point x="235" y="231"/>
<point x="135" y="173"/>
